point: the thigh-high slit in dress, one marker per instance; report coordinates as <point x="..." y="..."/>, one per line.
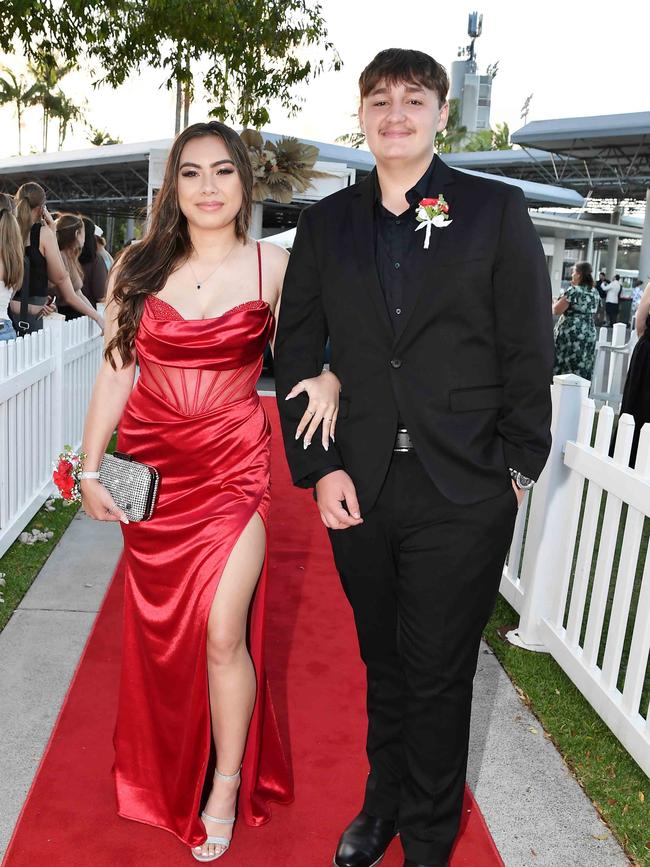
<point x="195" y="415"/>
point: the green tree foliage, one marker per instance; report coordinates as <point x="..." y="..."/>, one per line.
<point x="497" y="139"/>
<point x="251" y="51"/>
<point x="100" y="137"/>
<point x="451" y="138"/>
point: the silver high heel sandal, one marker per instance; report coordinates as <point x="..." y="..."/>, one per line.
<point x="216" y="841"/>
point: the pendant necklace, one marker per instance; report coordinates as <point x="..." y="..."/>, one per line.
<point x="199" y="283"/>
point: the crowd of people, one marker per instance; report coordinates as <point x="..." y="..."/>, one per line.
<point x="48" y="267"/>
<point x="583" y="306"/>
<point x="578" y="309"/>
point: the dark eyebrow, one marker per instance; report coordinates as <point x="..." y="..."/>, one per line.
<point x="410" y="88"/>
<point x="212" y="165"/>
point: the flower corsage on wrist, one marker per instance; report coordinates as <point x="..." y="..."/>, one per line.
<point x="432" y="212"/>
<point x="68" y="472"/>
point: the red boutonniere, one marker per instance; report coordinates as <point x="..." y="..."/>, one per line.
<point x="432" y="212"/>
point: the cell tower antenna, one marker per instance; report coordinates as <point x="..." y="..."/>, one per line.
<point x="474" y="30"/>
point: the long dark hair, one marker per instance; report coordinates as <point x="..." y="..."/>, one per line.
<point x="583" y="269"/>
<point x="89" y="249"/>
<point x="67" y="226"/>
<point x="144" y="268"/>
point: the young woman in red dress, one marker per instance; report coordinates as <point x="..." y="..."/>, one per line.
<point x="194" y="303"/>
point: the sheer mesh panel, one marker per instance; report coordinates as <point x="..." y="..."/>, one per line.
<point x="195" y="391"/>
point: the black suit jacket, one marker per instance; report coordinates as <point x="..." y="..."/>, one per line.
<point x="471" y="367"/>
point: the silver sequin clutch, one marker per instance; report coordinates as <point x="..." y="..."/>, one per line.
<point x="133" y="486"/>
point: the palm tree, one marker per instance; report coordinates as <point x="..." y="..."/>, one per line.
<point x="65" y="111"/>
<point x="15" y="89"/>
<point x="47" y="71"/>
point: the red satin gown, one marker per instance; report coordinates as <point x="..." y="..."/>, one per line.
<point x="195" y="415"/>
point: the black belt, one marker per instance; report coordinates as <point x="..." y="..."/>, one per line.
<point x="403" y="441"/>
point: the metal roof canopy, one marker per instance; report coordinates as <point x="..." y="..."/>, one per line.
<point x="113" y="179"/>
<point x="614" y="150"/>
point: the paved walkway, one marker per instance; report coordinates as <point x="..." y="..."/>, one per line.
<point x="536" y="811"/>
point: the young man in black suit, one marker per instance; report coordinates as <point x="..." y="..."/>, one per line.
<point x="433" y="289"/>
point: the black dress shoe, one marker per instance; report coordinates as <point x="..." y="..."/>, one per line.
<point x="364" y="841"/>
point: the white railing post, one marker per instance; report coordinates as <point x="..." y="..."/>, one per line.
<point x="617" y="360"/>
<point x="548" y="517"/>
<point x="599" y="371"/>
<point x="55" y="327"/>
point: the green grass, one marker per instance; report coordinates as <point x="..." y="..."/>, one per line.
<point x="610" y="777"/>
<point x="22" y="563"/>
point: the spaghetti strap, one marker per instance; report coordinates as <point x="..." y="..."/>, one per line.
<point x="259" y="269"/>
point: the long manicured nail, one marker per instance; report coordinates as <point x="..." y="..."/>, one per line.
<point x="297" y="434"/>
<point x="326" y="446"/>
<point x="306" y="444"/>
<point x="332" y="438"/>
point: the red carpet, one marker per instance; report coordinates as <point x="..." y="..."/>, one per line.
<point x="69" y="818"/>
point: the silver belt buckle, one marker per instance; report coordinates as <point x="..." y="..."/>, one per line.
<point x="403" y="442"/>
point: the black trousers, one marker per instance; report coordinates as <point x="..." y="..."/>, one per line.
<point x="612" y="313"/>
<point x="422" y="574"/>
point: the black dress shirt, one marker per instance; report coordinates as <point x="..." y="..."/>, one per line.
<point x="395" y="240"/>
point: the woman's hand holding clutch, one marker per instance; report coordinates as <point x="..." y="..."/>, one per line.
<point x="98" y="503"/>
<point x="323" y="392"/>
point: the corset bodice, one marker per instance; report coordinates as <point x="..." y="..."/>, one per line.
<point x="198" y="365"/>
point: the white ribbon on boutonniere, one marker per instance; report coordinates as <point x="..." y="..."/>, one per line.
<point x="432" y="212"/>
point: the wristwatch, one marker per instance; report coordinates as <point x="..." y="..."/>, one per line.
<point x="520" y="480"/>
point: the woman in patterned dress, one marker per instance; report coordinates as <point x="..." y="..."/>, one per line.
<point x="575" y="332"/>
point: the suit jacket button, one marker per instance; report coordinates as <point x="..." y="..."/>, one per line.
<point x="396" y="363"/>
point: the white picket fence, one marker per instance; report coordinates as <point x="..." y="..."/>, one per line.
<point x="577" y="571"/>
<point x="611" y="362"/>
<point x="45" y="385"/>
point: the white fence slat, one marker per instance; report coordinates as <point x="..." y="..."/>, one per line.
<point x="639" y="648"/>
<point x="606" y="549"/>
<point x="20" y="448"/>
<point x="588" y="535"/>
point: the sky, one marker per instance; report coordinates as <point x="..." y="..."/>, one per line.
<point x="576" y="58"/>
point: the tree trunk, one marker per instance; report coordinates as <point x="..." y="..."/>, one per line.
<point x="186" y="107"/>
<point x="179" y="100"/>
<point x="19" y="113"/>
<point x="187" y="96"/>
<point x="46" y="124"/>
